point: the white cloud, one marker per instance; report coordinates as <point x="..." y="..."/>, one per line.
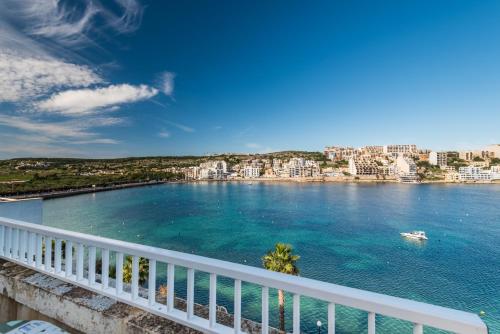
<point x="40" y="66"/>
<point x="73" y="24"/>
<point x="67" y="131"/>
<point x="167" y="83"/>
<point x="23" y="77"/>
<point x="96" y="141"/>
<point x="164" y="134"/>
<point x="87" y="101"/>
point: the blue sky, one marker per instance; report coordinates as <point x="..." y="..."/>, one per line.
<point x="129" y="78"/>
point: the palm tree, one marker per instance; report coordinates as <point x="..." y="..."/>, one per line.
<point x="143" y="270"/>
<point x="281" y="259"/>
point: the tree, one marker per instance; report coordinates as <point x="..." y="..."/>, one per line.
<point x="281" y="259"/>
<point x="143" y="270"/>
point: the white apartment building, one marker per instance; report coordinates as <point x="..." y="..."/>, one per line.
<point x="373" y="150"/>
<point x="213" y="170"/>
<point x="251" y="171"/>
<point x="438" y="159"/>
<point x="495" y="172"/>
<point x="406" y="169"/>
<point x="494" y="149"/>
<point x="405" y="166"/>
<point x="363" y="167"/>
<point x="471" y="173"/>
<point x="396" y="150"/>
<point x="470" y="155"/>
<point x="452" y="176"/>
<point x="299" y="167"/>
<point x="336" y="153"/>
<point x="192" y="173"/>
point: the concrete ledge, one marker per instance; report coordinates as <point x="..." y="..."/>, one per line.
<point x="87" y="312"/>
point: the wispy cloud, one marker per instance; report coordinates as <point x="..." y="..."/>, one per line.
<point x="164" y="134"/>
<point x="167" y="83"/>
<point x="39" y="150"/>
<point x="73" y="24"/>
<point x="182" y="127"/>
<point x="74" y="131"/>
<point x="87" y="101"/>
<point x="43" y="70"/>
<point x="23" y="77"/>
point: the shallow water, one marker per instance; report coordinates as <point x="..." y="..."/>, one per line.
<point x="345" y="233"/>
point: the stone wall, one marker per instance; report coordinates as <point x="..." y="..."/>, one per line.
<point x="87" y="312"/>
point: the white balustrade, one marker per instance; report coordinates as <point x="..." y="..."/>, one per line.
<point x="21" y="243"/>
<point x="190" y="293"/>
<point x="68" y="258"/>
<point x="265" y="310"/>
<point x="331" y="318"/>
<point x="105" y="269"/>
<point x="237" y="306"/>
<point x="151" y="283"/>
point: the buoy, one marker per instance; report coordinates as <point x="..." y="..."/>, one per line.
<point x="482" y="313"/>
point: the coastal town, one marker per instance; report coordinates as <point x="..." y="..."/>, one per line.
<point x="400" y="163"/>
<point x="405" y="163"/>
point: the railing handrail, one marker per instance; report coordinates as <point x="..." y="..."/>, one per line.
<point x="405" y="309"/>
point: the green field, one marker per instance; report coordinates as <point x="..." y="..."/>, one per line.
<point x="51" y="174"/>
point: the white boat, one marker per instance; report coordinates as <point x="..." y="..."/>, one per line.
<point x="417" y="235"/>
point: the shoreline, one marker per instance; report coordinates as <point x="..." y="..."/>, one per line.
<point x="74" y="192"/>
<point x="346" y="180"/>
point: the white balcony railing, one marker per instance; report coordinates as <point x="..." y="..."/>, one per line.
<point x="22" y="243"/>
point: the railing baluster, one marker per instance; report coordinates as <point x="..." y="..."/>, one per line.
<point x="39" y="249"/>
<point x="22" y="245"/>
<point x="331" y="318"/>
<point x="371" y="323"/>
<point x="31" y="248"/>
<point x="2" y="239"/>
<point x="296" y="314"/>
<point x="92" y="256"/>
<point x="152" y="282"/>
<point x="57" y="256"/>
<point x="79" y="261"/>
<point x="68" y="258"/>
<point x="8" y="241"/>
<point x="265" y="310"/>
<point x="237" y="306"/>
<point x="105" y="268"/>
<point x="212" y="306"/>
<point x="119" y="273"/>
<point x="15" y="243"/>
<point x="170" y="286"/>
<point x="190" y="293"/>
<point x="418" y="329"/>
<point x="135" y="277"/>
<point x="48" y="253"/>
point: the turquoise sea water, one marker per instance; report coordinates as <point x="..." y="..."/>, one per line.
<point x="345" y="233"/>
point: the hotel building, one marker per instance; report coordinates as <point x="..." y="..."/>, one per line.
<point x="438" y="159"/>
<point x="471" y="173"/>
<point x="400" y="149"/>
<point x="363" y="167"/>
